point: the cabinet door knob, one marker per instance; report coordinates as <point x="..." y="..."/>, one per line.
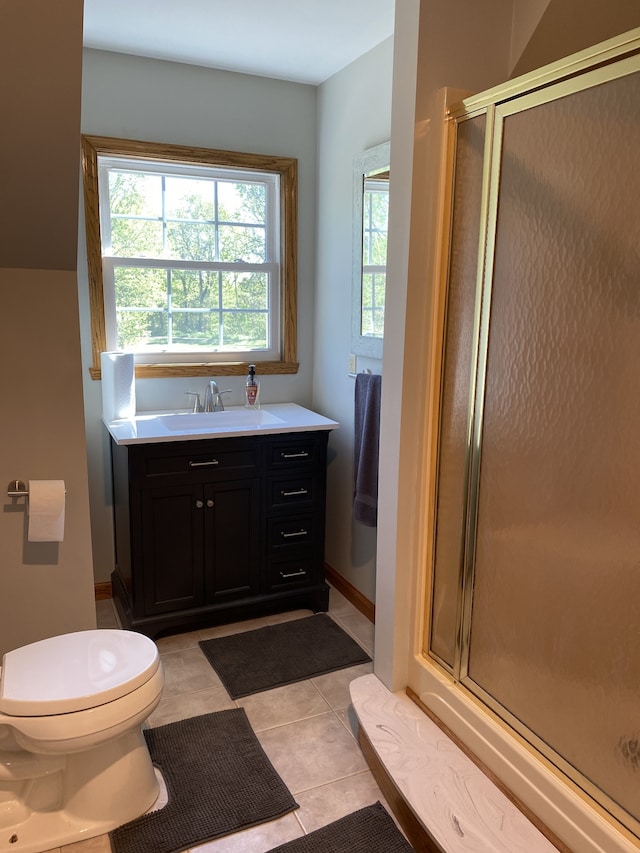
<point x="199" y="504"/>
<point x="209" y="502"/>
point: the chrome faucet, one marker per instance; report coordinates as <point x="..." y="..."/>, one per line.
<point x="213" y="397"/>
<point x="197" y="405"/>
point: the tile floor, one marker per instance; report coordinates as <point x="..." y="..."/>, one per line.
<point x="306" y="729"/>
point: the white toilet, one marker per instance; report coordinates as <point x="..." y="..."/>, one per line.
<point x="73" y="760"/>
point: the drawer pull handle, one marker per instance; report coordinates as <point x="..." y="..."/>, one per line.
<point x="299" y="574"/>
<point x="301" y="532"/>
<point x="294" y="492"/>
<point x="301" y="455"/>
<point x="208" y="464"/>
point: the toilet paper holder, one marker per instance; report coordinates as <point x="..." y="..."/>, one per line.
<point x="17" y="489"/>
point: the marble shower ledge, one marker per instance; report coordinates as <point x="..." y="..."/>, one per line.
<point x="456" y="805"/>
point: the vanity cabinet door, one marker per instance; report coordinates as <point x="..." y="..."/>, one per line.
<point x="172" y="548"/>
<point x="200" y="544"/>
<point x="231" y="540"/>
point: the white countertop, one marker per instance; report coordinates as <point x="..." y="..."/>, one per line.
<point x="150" y="427"/>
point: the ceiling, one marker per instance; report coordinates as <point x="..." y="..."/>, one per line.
<point x="306" y="41"/>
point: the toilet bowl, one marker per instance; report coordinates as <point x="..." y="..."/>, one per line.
<point x="73" y="759"/>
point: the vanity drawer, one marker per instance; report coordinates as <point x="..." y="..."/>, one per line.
<point x="204" y="458"/>
<point x="306" y="451"/>
<point x="297" y="491"/>
<point x="290" y="573"/>
<point x="289" y="533"/>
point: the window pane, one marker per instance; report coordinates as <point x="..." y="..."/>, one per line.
<point x="137" y="287"/>
<point x="239" y="243"/>
<point x="136" y="238"/>
<point x="374" y="248"/>
<point x="245" y="291"/>
<point x="136" y="208"/>
<point x="135" y="194"/>
<point x="135" y="290"/>
<point x="379" y="289"/>
<point x="379" y="210"/>
<point x="239" y="202"/>
<point x="194" y="289"/>
<point x="191" y="241"/>
<point x="373" y="292"/>
<point x="374" y="230"/>
<point x="366" y="247"/>
<point x="378" y="322"/>
<point x="245" y="330"/>
<point x="367" y="290"/>
<point x="140" y="329"/>
<point x="378" y="249"/>
<point x="195" y="330"/>
<point x="189" y="198"/>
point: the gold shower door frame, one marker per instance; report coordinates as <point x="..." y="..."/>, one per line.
<point x="498" y="106"/>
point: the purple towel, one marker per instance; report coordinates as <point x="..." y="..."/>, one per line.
<point x="366" y="444"/>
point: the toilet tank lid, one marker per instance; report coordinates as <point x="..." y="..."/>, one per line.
<point x="74" y="672"/>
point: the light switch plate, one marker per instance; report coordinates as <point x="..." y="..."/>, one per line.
<point x="353" y="363"/>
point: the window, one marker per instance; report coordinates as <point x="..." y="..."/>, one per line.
<point x="369" y="249"/>
<point x="192" y="257"/>
<point x="375" y="215"/>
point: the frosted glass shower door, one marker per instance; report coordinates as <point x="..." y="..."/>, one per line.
<point x="458" y="359"/>
<point x="554" y="634"/>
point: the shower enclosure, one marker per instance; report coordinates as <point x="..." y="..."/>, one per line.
<point x="535" y="582"/>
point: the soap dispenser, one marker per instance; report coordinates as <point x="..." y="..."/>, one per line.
<point x="252" y="389"/>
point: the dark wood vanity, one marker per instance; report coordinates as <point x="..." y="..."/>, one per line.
<point x="218" y="529"/>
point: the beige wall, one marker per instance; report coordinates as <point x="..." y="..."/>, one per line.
<point x="470" y="57"/>
<point x="526" y="16"/>
<point x="41" y="78"/>
<point x="568" y="26"/>
<point x="45" y="588"/>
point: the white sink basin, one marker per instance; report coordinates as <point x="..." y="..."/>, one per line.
<point x="163" y="426"/>
<point x="207" y="421"/>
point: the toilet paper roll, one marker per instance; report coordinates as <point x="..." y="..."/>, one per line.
<point x="118" y="385"/>
<point x="46" y="510"/>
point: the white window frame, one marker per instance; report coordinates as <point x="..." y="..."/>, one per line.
<point x="372" y="185"/>
<point x="271" y="266"/>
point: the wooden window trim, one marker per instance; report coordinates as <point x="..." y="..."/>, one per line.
<point x="287" y="167"/>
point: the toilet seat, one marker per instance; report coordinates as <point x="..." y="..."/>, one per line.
<point x="75" y="672"/>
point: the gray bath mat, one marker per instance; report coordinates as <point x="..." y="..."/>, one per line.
<point x="281" y="654"/>
<point x="369" y="830"/>
<point x="219" y="780"/>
